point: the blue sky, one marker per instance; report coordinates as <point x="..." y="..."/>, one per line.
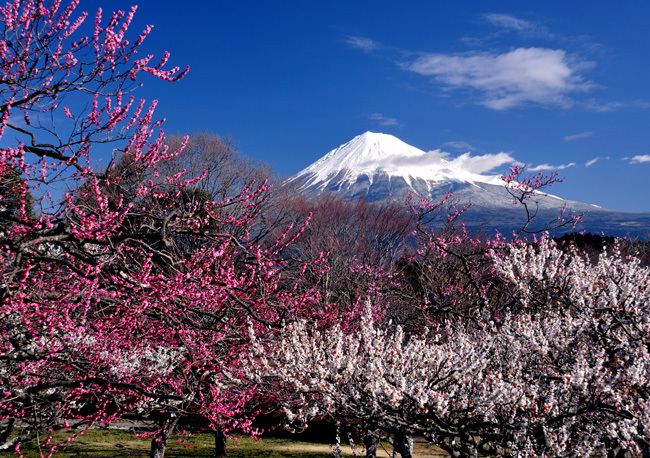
<point x="555" y="85"/>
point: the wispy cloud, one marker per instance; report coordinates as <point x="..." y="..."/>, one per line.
<point x="459" y="145"/>
<point x="523" y="75"/>
<point x="569" y="138"/>
<point x="507" y="21"/>
<point x="363" y="43"/>
<point x="384" y="120"/>
<point x="537" y="168"/>
<point x="638" y="159"/>
<point x="600" y="107"/>
<point x="596" y="159"/>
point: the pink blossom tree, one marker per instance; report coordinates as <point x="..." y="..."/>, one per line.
<point x="119" y="297"/>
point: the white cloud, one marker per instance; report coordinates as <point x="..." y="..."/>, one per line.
<point x="483" y="163"/>
<point x="569" y="138"/>
<point x="523" y="75"/>
<point x="474" y="164"/>
<point x="432" y="158"/>
<point x="384" y="120"/>
<point x="537" y="168"/>
<point x="638" y="159"/>
<point x="465" y="162"/>
<point x="459" y="145"/>
<point x="363" y="43"/>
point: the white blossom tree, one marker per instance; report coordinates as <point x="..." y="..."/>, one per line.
<point x="563" y="373"/>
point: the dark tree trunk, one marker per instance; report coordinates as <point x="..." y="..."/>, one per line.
<point x="158" y="446"/>
<point x="403" y="445"/>
<point x="159" y="442"/>
<point x="219" y="444"/>
<point x="371" y="442"/>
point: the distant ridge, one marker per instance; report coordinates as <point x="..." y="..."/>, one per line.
<point x="380" y="167"/>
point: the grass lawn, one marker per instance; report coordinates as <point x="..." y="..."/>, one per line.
<point x="97" y="443"/>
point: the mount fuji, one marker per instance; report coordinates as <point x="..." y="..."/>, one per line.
<point x="380" y="167"/>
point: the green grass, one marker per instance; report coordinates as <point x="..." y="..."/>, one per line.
<point x="98" y="443"/>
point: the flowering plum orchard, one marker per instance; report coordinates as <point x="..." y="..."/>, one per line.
<point x="130" y="292"/>
<point x="563" y="369"/>
<point x="119" y="297"/>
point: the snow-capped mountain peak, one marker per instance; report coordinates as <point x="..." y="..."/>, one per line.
<point x="372" y="155"/>
<point x="380" y="167"/>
